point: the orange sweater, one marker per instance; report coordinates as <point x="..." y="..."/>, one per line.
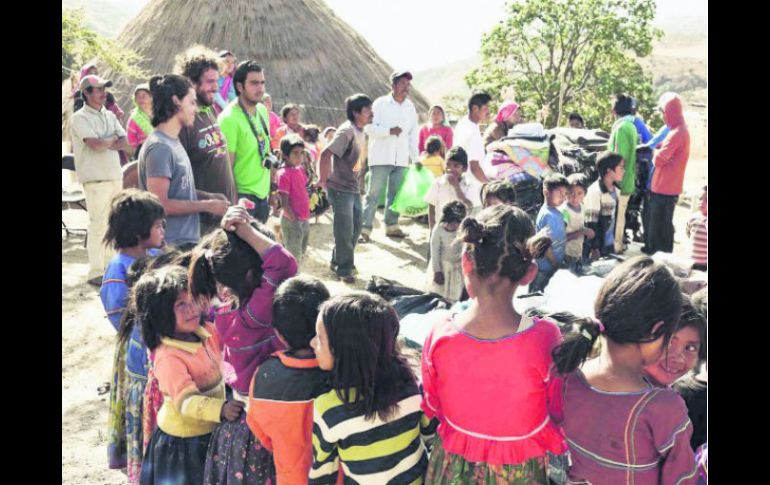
<point x="281" y="412"/>
<point x="189" y="375"/>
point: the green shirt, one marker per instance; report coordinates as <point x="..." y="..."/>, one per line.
<point x="623" y="142"/>
<point x="251" y="176"/>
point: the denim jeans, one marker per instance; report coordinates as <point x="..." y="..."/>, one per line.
<point x="261" y="211"/>
<point x="347" y="228"/>
<point x="383" y="175"/>
<point x="295" y="237"/>
<point x="661" y="223"/>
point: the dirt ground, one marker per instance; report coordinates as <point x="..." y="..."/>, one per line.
<point x="88" y="339"/>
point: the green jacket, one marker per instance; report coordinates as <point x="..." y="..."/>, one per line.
<point x="623" y="141"/>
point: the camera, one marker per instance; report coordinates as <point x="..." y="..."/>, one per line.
<point x="270" y="161"/>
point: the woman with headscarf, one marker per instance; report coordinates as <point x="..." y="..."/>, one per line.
<point x="139" y="125"/>
<point x="436" y="126"/>
<point x="507" y="116"/>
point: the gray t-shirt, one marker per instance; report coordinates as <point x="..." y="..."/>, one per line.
<point x="348" y="149"/>
<point x="163" y="156"/>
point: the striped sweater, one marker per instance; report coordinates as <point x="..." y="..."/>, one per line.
<point x="370" y="451"/>
<point x="698" y="232"/>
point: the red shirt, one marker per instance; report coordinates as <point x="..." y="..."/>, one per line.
<point x="671" y="159"/>
<point x="508" y="380"/>
<point x="293" y="182"/>
<point x="445" y="132"/>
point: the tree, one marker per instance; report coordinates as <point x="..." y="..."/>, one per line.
<point x="81" y="44"/>
<point x="570" y="55"/>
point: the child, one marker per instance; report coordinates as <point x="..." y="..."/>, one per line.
<point x="498" y="192"/>
<point x="295" y="200"/>
<point x="244" y="259"/>
<point x="310" y="136"/>
<point x="694" y="387"/>
<point x="446" y="249"/>
<point x="698" y="230"/>
<point x="135" y="228"/>
<point x="152" y="400"/>
<point x="188" y="361"/>
<point x="618" y="426"/>
<point x="284" y="386"/>
<point x="572" y="212"/>
<point x="485" y="370"/>
<point x="454" y="185"/>
<point x="434" y="161"/>
<point x="370" y="422"/>
<point x="328" y="135"/>
<point x="685" y="351"/>
<point x="555" y="188"/>
<point x="600" y="203"/>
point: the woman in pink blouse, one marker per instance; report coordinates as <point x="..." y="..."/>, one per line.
<point x="139" y="124"/>
<point x="436" y="126"/>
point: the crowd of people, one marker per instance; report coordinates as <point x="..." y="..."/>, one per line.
<point x="231" y="367"/>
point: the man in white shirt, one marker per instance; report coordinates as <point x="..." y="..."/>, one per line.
<point x="97" y="136"/>
<point x="393" y="137"/>
<point x="467" y="134"/>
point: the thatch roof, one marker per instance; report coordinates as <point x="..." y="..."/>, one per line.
<point x="310" y="56"/>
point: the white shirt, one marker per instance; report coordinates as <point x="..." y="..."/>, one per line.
<point x="442" y="192"/>
<point x="92" y="165"/>
<point x="468" y="136"/>
<point x="387" y="149"/>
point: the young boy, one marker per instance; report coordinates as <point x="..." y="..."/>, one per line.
<point x="135" y="228"/>
<point x="280" y="411"/>
<point x="295" y="200"/>
<point x="555" y="188"/>
<point x="498" y="192"/>
<point x="572" y="211"/>
<point x="601" y="202"/>
<point x="434" y="161"/>
<point x="453" y="185"/>
<point x="698" y="230"/>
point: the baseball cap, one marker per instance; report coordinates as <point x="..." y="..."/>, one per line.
<point x="399" y="74"/>
<point x="225" y="53"/>
<point x="140" y="87"/>
<point x="94" y="81"/>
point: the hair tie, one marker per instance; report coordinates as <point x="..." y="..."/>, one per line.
<point x="599" y="324"/>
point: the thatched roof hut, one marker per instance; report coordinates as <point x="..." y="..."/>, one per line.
<point x="310" y="56"/>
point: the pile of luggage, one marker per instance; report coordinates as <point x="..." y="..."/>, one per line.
<point x="528" y="153"/>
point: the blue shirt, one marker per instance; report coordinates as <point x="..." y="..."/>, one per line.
<point x="641" y="128"/>
<point x="655" y="141"/>
<point x="114" y="291"/>
<point x="552" y="218"/>
<point x="137" y="361"/>
<point x="609" y="237"/>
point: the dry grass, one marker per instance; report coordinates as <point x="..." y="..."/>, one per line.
<point x="310" y="56"/>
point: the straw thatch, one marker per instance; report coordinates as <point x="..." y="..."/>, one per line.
<point x="310" y="56"/>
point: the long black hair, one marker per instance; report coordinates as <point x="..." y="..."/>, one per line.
<point x="155" y="294"/>
<point x="370" y="374"/>
<point x="135" y="271"/>
<point x="634" y="297"/>
<point x="223" y="257"/>
<point x="163" y="90"/>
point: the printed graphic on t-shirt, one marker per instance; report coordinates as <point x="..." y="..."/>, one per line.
<point x="211" y="140"/>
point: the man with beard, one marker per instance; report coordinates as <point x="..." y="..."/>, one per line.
<point x="203" y="141"/>
<point x="245" y="124"/>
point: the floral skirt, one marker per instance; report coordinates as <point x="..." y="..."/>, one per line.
<point x="134" y="443"/>
<point x="447" y="468"/>
<point x="116" y="423"/>
<point x="153" y="400"/>
<point x="236" y="456"/>
<point x="172" y="460"/>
